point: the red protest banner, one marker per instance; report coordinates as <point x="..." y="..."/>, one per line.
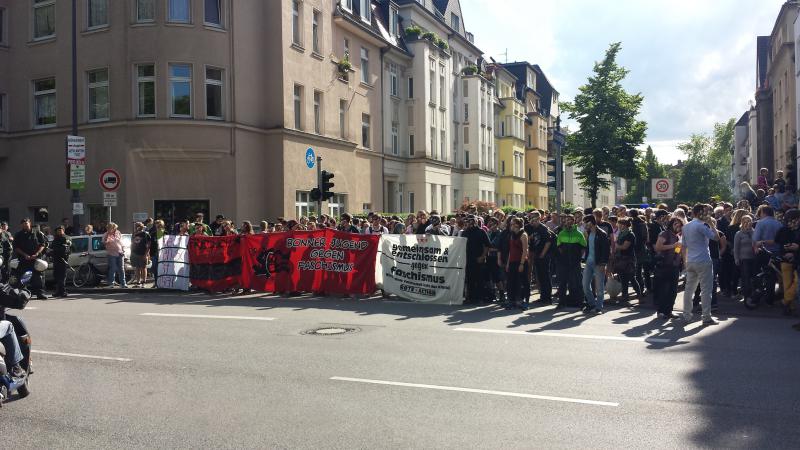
<point x="215" y="262"/>
<point x="324" y="261"/>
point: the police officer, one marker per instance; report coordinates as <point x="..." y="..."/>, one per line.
<point x="60" y="249"/>
<point x="6" y="243"/>
<point x="29" y="246"/>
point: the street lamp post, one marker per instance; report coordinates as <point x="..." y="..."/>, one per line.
<point x="76" y="194"/>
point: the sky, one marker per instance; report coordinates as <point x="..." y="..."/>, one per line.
<point x="694" y="61"/>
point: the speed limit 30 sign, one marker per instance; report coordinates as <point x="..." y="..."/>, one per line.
<point x="662" y="188"/>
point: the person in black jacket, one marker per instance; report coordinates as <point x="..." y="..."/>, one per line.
<point x="60" y="249"/>
<point x="29" y="245"/>
<point x="598" y="250"/>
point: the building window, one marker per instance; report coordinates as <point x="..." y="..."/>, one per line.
<point x="433" y="196"/>
<point x="443" y="144"/>
<point x="44" y="19"/>
<point x="466" y="159"/>
<point x="145" y="11"/>
<point x="466" y="112"/>
<point x="394" y="84"/>
<point x="455" y="21"/>
<point x="410" y="87"/>
<point x="337" y="205"/>
<point x="214" y="85"/>
<point x="303" y="206"/>
<point x="318" y="112"/>
<point x="502" y="128"/>
<point x="530" y="177"/>
<point x="146" y="90"/>
<point x="315" y="20"/>
<point x="365" y="134"/>
<point x="298" y="107"/>
<point x="180" y="81"/>
<point x="347" y="5"/>
<point x="411" y="145"/>
<point x="44" y="103"/>
<point x="2" y="111"/>
<point x="98" y="95"/>
<point x="180" y="11"/>
<point x="442" y="91"/>
<point x="465" y="88"/>
<point x="432" y="81"/>
<point x="213" y="13"/>
<point x="366" y="10"/>
<point x="364" y="65"/>
<point x="411" y="206"/>
<point x="466" y="135"/>
<point x="394" y="22"/>
<point x="503" y="167"/>
<point x="297" y="34"/>
<point x="395" y="140"/>
<point x="97" y="13"/>
<point x="343" y="119"/>
<point x="433" y="142"/>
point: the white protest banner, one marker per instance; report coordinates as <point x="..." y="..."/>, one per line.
<point x="424" y="268"/>
<point x="173" y="263"/>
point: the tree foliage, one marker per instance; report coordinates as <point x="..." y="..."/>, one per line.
<point x="650" y="168"/>
<point x="706" y="173"/>
<point x="609" y="133"/>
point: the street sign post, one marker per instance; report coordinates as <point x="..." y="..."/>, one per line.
<point x="77" y="209"/>
<point x="109" y="199"/>
<point x="310" y="158"/>
<point x="76" y="150"/>
<point x="110" y="180"/>
<point x="77" y="176"/>
<point x="662" y="188"/>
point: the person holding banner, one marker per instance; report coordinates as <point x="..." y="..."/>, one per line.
<point x="516" y="267"/>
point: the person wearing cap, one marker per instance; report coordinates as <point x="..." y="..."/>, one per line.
<point x="30" y="246"/>
<point x="60" y="249"/>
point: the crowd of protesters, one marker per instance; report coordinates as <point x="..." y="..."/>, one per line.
<point x="584" y="255"/>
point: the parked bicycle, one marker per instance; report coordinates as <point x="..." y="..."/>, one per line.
<point x="88" y="273"/>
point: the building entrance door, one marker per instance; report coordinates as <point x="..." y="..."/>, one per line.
<point x="173" y="211"/>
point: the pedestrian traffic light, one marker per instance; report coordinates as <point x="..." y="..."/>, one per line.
<point x="326" y="185"/>
<point x="316" y="195"/>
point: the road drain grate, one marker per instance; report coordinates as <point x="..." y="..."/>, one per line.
<point x="331" y="331"/>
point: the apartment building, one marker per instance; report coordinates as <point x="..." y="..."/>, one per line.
<point x="510" y="136"/>
<point x="781" y="73"/>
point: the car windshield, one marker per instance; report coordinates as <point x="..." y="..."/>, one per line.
<point x="80" y="245"/>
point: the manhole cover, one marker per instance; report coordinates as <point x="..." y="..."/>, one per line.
<point x="331" y="331"/>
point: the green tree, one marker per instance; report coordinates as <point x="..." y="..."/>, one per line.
<point x="650" y="168"/>
<point x="706" y="173"/>
<point x="609" y="133"/>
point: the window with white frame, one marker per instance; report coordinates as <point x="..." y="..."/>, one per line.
<point x="145" y="11"/>
<point x="366" y="10"/>
<point x="179" y="11"/>
<point x="443" y="145"/>
<point x="44" y="19"/>
<point x="298" y="107"/>
<point x="343" y="119"/>
<point x="411" y="145"/>
<point x="347" y="5"/>
<point x="303" y="206"/>
<point x="410" y="87"/>
<point x="394" y="21"/>
<point x="394" y="83"/>
<point x="455" y="21"/>
<point x="466" y="159"/>
<point x="337" y="205"/>
<point x="214" y="85"/>
<point x="180" y="90"/>
<point x="442" y="90"/>
<point x="432" y="81"/>
<point x="318" y="112"/>
<point x="466" y="112"/>
<point x="146" y="90"/>
<point x="44" y="103"/>
<point x="316" y="18"/>
<point x="364" y="65"/>
<point x="395" y="140"/>
<point x="97" y="13"/>
<point x="297" y="23"/>
<point x="212" y="13"/>
<point x="365" y="131"/>
<point x="98" y="95"/>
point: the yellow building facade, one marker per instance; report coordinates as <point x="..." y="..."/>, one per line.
<point x="510" y="137"/>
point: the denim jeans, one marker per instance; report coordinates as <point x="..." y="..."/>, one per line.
<point x="594" y="272"/>
<point x="115" y="268"/>
<point x="9" y="340"/>
<point x="702" y="274"/>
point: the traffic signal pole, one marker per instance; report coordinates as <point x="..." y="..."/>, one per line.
<point x="319" y="184"/>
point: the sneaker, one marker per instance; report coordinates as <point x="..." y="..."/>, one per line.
<point x="710" y="321"/>
<point x="17" y="372"/>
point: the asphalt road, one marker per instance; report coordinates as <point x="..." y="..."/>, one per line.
<point x="411" y="376"/>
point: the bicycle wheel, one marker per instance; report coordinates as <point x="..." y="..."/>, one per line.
<point x="83" y="275"/>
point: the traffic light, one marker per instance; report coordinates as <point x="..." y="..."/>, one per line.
<point x="552" y="172"/>
<point x="41" y="216"/>
<point x="326" y="185"/>
<point x="316" y="195"/>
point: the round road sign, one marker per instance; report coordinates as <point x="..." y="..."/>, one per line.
<point x="110" y="180"/>
<point x="662" y="185"/>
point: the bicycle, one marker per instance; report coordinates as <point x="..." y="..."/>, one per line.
<point x="87" y="273"/>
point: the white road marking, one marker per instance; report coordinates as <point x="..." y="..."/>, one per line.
<point x="77" y="355"/>
<point x="28" y="308"/>
<point x="568" y="335"/>
<point x="478" y="391"/>
<point x="203" y="316"/>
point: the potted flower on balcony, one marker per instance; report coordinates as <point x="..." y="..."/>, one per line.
<point x="428" y="35"/>
<point x="344" y="66"/>
<point x="413" y="32"/>
<point x="470" y="70"/>
<point x="441" y="43"/>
